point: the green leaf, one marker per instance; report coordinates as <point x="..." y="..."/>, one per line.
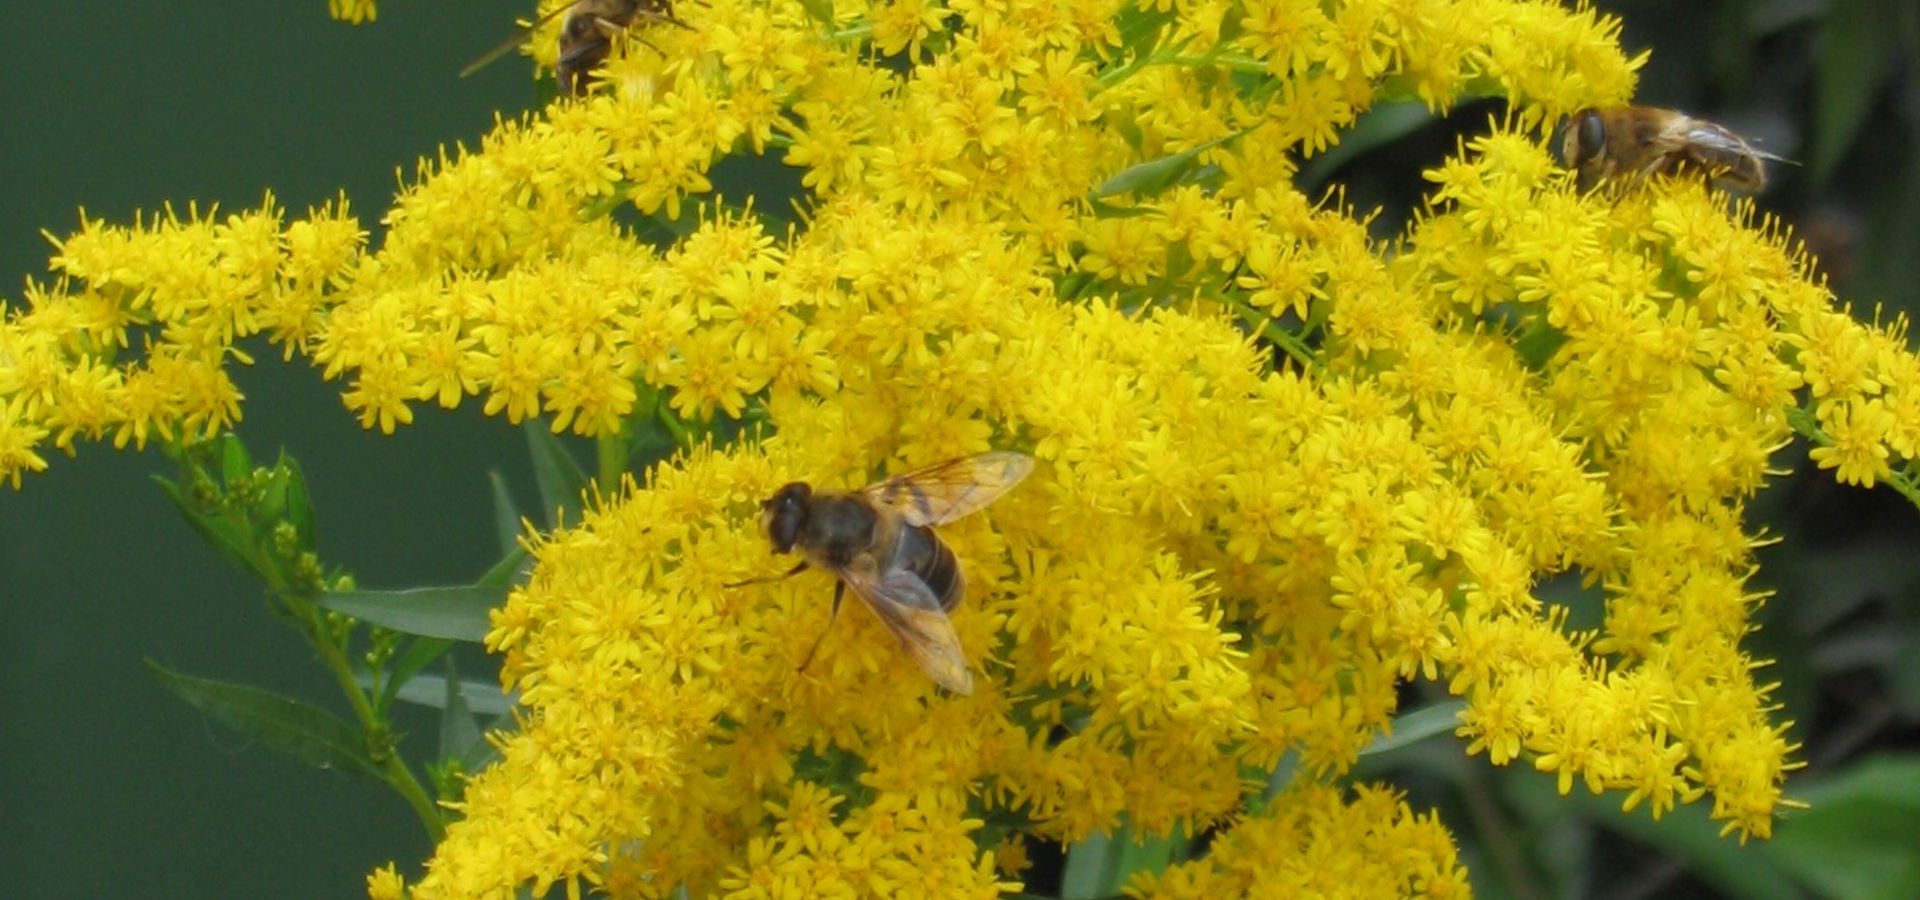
<point x="1538" y="345"/>
<point x="459" y="730"/>
<point x="651" y="444"/>
<point x="1151" y="854"/>
<point x="511" y="570"/>
<point x="682" y="226"/>
<point x="506" y="514"/>
<point x="299" y="501"/>
<point x="1089" y="869"/>
<point x="420" y="653"/>
<point x="290" y="726"/>
<point x="481" y="754"/>
<point x="1858" y="839"/>
<point x="235" y="464"/>
<point x="1411" y="728"/>
<point x="558" y="476"/>
<point x="457" y="613"/>
<point x="1139" y="26"/>
<point x="270" y="503"/>
<point x="1103" y="862"/>
<point x="1278" y="779"/>
<point x="1104" y="210"/>
<point x="819" y="10"/>
<point x="1684" y="832"/>
<point x="1153" y="176"/>
<point x="232" y="539"/>
<point x="602" y="206"/>
<point x="479" y="696"/>
<point x="1381" y="125"/>
<point x="1854" y="56"/>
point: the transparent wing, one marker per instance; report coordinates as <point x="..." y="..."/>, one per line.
<point x="946" y="491"/>
<point x="1712" y="137"/>
<point x="519" y="37"/>
<point x="1719" y="138"/>
<point x="909" y="609"/>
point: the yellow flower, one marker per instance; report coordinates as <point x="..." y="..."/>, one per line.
<point x="1859" y="431"/>
<point x="1311" y="843"/>
<point x="385" y="883"/>
<point x="1282" y="467"/>
<point x="353" y="11"/>
<point x="17" y="439"/>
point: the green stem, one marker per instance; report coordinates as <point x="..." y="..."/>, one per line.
<point x="397" y="775"/>
<point x="1905" y="485"/>
<point x="611" y="452"/>
<point x="1237" y="62"/>
<point x="1269" y="329"/>
<point x="402" y="780"/>
<point x="681" y="437"/>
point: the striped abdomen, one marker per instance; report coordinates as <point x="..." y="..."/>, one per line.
<point x="922" y="552"/>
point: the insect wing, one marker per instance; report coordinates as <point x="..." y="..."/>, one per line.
<point x="520" y="37"/>
<point x="943" y="492"/>
<point x="1725" y="156"/>
<point x="909" y="609"/>
<point x="1713" y="137"/>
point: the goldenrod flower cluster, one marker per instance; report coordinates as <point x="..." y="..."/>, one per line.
<point x="1227" y="556"/>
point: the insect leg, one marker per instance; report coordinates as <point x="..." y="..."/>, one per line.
<point x="802" y="567"/>
<point x="839" y="591"/>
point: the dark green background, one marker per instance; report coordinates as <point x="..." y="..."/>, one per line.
<point x="109" y="786"/>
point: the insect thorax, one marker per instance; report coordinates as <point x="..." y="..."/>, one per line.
<point x="840" y="528"/>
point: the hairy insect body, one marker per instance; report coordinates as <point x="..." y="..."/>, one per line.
<point x="879" y="543"/>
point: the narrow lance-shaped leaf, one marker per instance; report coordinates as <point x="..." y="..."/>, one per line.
<point x="511" y="570"/>
<point x="1685" y="832"/>
<point x="506" y="514"/>
<point x="456" y="613"/>
<point x="420" y="653"/>
<point x="232" y="539"/>
<point x="482" y="697"/>
<point x="1089" y="869"/>
<point x="459" y="730"/>
<point x="556" y="474"/>
<point x="1155" y="175"/>
<point x="1856" y="837"/>
<point x="1417" y="726"/>
<point x="1852" y="59"/>
<point x="1381" y="125"/>
<point x="290" y="726"/>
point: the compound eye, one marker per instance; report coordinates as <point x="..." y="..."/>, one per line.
<point x="783" y="515"/>
<point x="1589" y="136"/>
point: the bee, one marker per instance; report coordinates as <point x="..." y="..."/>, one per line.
<point x="1635" y="141"/>
<point x="879" y="541"/>
<point x="586" y="37"/>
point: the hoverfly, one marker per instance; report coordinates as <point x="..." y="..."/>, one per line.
<point x="1634" y="141"/>
<point x="586" y="38"/>
<point x="879" y="541"/>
